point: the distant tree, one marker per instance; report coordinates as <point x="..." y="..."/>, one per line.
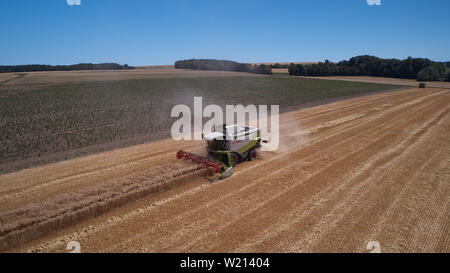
<point x="434" y="72"/>
<point x="262" y="69"/>
<point x="222" y="65"/>
<point x="300" y="70"/>
<point x="291" y="69"/>
<point x="278" y="65"/>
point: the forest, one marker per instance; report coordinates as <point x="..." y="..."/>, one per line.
<point x="223" y="65"/>
<point x="411" y="68"/>
<point x="80" y="66"/>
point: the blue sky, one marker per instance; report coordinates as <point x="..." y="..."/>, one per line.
<point x="146" y="32"/>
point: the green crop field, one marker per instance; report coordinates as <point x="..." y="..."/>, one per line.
<point x="54" y="122"/>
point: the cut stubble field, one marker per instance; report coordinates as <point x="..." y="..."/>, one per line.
<point x="368" y="168"/>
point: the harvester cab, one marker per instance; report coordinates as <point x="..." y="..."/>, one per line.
<point x="227" y="146"/>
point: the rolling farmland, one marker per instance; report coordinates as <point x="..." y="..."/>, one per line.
<point x="368" y="168"/>
<point x="46" y="122"/>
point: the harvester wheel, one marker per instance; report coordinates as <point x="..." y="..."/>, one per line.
<point x="251" y="155"/>
<point x="235" y="159"/>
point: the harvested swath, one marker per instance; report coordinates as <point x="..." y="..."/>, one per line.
<point x="35" y="220"/>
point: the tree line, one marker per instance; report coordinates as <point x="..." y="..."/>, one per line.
<point x="410" y="68"/>
<point x="277" y="65"/>
<point x="222" y="65"/>
<point x="80" y="66"/>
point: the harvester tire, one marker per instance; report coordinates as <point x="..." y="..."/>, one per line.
<point x="251" y="155"/>
<point x="235" y="159"/>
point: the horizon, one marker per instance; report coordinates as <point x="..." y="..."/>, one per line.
<point x="143" y="33"/>
<point x="254" y="63"/>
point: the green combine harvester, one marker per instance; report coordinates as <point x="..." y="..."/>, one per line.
<point x="228" y="145"/>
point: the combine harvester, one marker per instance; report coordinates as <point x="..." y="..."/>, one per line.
<point x="228" y="145"/>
